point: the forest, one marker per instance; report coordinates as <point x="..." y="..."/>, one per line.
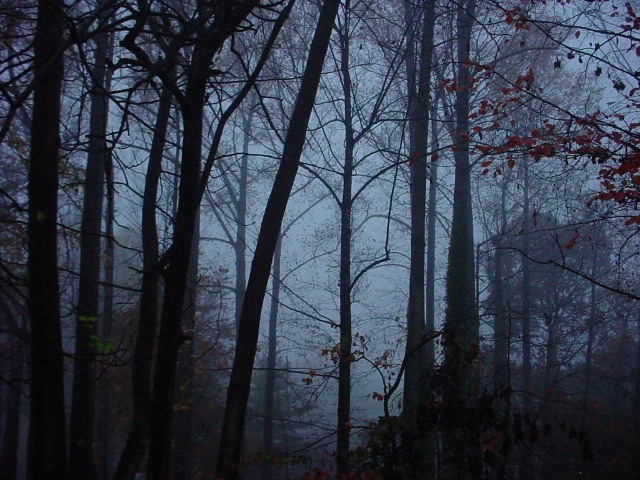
<point x="319" y="239"/>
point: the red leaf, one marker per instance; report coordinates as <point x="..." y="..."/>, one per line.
<point x="571" y="243"/>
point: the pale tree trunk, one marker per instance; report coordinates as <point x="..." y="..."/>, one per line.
<point x="270" y="387"/>
<point x="551" y="319"/>
<point x="527" y="459"/>
<point x="47" y="456"/>
<point x="591" y="323"/>
<point x="501" y="327"/>
<point x="462" y="457"/>
<point x="81" y="427"/>
<point x="246" y="344"/>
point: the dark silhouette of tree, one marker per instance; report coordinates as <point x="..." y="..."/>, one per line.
<point x="47" y="457"/>
<point x="240" y="382"/>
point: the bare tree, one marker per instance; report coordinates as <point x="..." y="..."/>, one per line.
<point x="246" y="344"/>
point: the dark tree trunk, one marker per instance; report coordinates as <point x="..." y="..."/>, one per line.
<point x="15" y="367"/>
<point x="527" y="459"/>
<point x="462" y="457"/>
<point x="183" y="438"/>
<point x="47" y="456"/>
<point x="432" y="212"/>
<point x="240" y="382"/>
<point x="176" y="273"/>
<point x="148" y="317"/>
<point x="345" y="359"/>
<point x="419" y="91"/>
<point x="103" y="430"/>
<point x="81" y="429"/>
<point x="501" y="326"/>
<point x="228" y="18"/>
<point x="240" y="246"/>
<point x="270" y="386"/>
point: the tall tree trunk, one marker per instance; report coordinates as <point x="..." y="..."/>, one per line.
<point x="15" y="367"/>
<point x="81" y="427"/>
<point x="176" y="273"/>
<point x="103" y="432"/>
<point x="591" y="323"/>
<point x="415" y="388"/>
<point x="270" y="387"/>
<point x="148" y="317"/>
<point x="246" y="344"/>
<point x="229" y="15"/>
<point x="183" y="440"/>
<point x="432" y="212"/>
<point x="527" y="460"/>
<point x="501" y="326"/>
<point x="47" y="456"/>
<point x="343" y="427"/>
<point x="240" y="246"/>
<point x="462" y="456"/>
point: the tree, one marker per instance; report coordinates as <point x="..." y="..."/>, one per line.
<point x="419" y="87"/>
<point x="461" y="331"/>
<point x="81" y="429"/>
<point x="240" y="382"/>
<point x="47" y="428"/>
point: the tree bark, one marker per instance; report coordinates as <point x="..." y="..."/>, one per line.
<point x="462" y="456"/>
<point x="141" y="378"/>
<point x="15" y="367"/>
<point x="527" y="459"/>
<point x="270" y="387"/>
<point x="246" y="344"/>
<point x="240" y="245"/>
<point x="103" y="432"/>
<point x="47" y="456"/>
<point x="81" y="427"/>
<point x="415" y="382"/>
<point x="501" y="326"/>
<point x="343" y="427"/>
<point x="183" y="439"/>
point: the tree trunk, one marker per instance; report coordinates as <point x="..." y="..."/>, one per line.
<point x="183" y="439"/>
<point x="501" y="327"/>
<point x="47" y="430"/>
<point x="81" y="427"/>
<point x="343" y="427"/>
<point x="13" y="402"/>
<point x="270" y="386"/>
<point x="103" y="432"/>
<point x="240" y="246"/>
<point x="246" y="344"/>
<point x="148" y="316"/>
<point x="415" y="385"/>
<point x="176" y="273"/>
<point x="527" y="460"/>
<point x="462" y="456"/>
